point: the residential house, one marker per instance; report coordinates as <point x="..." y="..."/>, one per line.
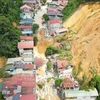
<point x="20" y="67"/>
<point x="79" y="94"/>
<point x="26" y="21"/>
<point x="30" y="1"/>
<point x="54" y="13"/>
<point x="61" y="65"/>
<point x="67" y="83"/>
<point x="19" y="86"/>
<point x="49" y="1"/>
<point x="26" y="29"/>
<point x="61" y="31"/>
<point x="25" y="47"/>
<point x="54" y="24"/>
<point x="27" y="11"/>
<point x="38" y="61"/>
<point x="54" y="3"/>
<point x="26" y="38"/>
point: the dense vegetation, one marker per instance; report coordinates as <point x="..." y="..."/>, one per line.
<point x="9" y="34"/>
<point x="50" y="51"/>
<point x="35" y="40"/>
<point x="58" y="82"/>
<point x="49" y="65"/>
<point x="95" y="82"/>
<point x="4" y="74"/>
<point x="35" y="27"/>
<point x="72" y="6"/>
<point x="45" y="17"/>
<point x="1" y="96"/>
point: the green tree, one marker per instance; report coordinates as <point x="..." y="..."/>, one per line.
<point x="35" y="40"/>
<point x="35" y="27"/>
<point x="50" y="51"/>
<point x="4" y="74"/>
<point x="49" y="65"/>
<point x="95" y="82"/>
<point x="45" y="17"/>
<point x="58" y="82"/>
<point x="44" y="1"/>
<point x="1" y="96"/>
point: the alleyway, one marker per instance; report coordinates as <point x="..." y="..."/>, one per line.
<point x="39" y="14"/>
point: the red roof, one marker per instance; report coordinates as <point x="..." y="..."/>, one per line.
<point x="26" y="37"/>
<point x="28" y="97"/>
<point x="53" y="12"/>
<point x="31" y="5"/>
<point x="24" y="26"/>
<point x="29" y="66"/>
<point x="67" y="83"/>
<point x="24" y="80"/>
<point x="38" y="61"/>
<point x="61" y="63"/>
<point x="54" y="21"/>
<point x="26" y="44"/>
<point x="25" y="7"/>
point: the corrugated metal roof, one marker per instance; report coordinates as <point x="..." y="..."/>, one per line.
<point x="1" y="83"/>
<point x="16" y="97"/>
<point x="26" y="44"/>
<point x="80" y="93"/>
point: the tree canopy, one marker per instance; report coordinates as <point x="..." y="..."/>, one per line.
<point x="50" y="51"/>
<point x="58" y="82"/>
<point x="9" y="34"/>
<point x="35" y="27"/>
<point x="45" y="17"/>
<point x="35" y="40"/>
<point x="72" y="6"/>
<point x="95" y="82"/>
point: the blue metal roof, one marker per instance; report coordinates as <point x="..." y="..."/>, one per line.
<point x="16" y="97"/>
<point x="54" y="14"/>
<point x="54" y="3"/>
<point x="1" y="83"/>
<point x="26" y="21"/>
<point x="27" y="32"/>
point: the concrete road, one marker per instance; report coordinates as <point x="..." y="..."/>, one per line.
<point x="38" y="16"/>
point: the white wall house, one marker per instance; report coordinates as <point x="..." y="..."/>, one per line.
<point x="25" y="46"/>
<point x="80" y="94"/>
<point x="54" y="24"/>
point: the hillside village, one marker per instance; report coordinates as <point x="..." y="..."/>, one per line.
<point x="47" y="76"/>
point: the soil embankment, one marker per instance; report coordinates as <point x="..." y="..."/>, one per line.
<point x="85" y="22"/>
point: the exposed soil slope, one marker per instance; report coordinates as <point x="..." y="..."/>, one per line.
<point x="85" y="22"/>
<point x="42" y="43"/>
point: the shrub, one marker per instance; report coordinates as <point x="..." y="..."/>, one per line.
<point x="35" y="40"/>
<point x="50" y="51"/>
<point x="58" y="82"/>
<point x="49" y="65"/>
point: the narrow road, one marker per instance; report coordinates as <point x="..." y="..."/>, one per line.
<point x="38" y="16"/>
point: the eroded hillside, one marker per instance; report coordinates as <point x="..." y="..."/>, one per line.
<point x="85" y="22"/>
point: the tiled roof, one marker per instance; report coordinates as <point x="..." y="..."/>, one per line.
<point x="25" y="7"/>
<point x="38" y="61"/>
<point x="28" y="97"/>
<point x="67" y="83"/>
<point x="31" y="5"/>
<point x="61" y="63"/>
<point x="26" y="37"/>
<point x="54" y="12"/>
<point x="29" y="66"/>
<point x="26" y="44"/>
<point x="19" y="80"/>
<point x="54" y="21"/>
<point x="24" y="26"/>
